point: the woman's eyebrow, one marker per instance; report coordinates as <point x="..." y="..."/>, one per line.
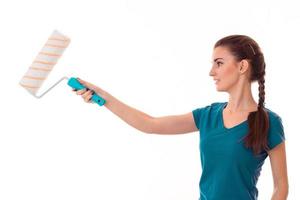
<point x="217" y="59"/>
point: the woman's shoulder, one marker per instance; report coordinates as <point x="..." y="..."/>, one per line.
<point x="276" y="129"/>
<point x="275" y="122"/>
<point x="211" y="108"/>
<point x="214" y="105"/>
<point x="272" y="114"/>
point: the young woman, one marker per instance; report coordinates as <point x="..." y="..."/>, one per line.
<point x="235" y="136"/>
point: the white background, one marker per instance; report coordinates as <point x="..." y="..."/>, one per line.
<point x="152" y="55"/>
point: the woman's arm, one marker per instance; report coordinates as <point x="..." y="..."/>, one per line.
<point x="279" y="171"/>
<point x="138" y="119"/>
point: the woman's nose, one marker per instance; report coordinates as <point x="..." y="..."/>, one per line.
<point x="211" y="72"/>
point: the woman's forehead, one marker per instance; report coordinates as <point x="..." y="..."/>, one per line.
<point x="221" y="53"/>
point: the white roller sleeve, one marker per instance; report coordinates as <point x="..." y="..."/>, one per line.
<point x="44" y="62"/>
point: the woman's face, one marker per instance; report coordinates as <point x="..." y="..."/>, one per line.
<point x="225" y="69"/>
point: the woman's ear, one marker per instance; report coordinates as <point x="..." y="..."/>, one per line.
<point x="243" y="66"/>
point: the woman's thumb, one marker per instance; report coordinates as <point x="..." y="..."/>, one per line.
<point x="86" y="84"/>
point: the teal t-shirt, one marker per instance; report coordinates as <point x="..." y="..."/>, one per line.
<point x="230" y="171"/>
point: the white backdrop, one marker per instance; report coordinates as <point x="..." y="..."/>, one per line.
<point x="152" y="55"/>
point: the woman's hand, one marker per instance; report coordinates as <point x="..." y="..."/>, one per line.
<point x="87" y="92"/>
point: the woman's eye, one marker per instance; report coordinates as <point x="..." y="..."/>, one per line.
<point x="218" y="63"/>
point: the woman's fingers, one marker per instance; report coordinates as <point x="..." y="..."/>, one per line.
<point x="88" y="99"/>
<point x="87" y="95"/>
<point x="87" y="92"/>
<point x="80" y="92"/>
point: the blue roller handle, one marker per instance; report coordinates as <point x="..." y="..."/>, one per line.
<point x="74" y="83"/>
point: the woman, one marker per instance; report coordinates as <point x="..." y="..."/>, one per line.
<point x="235" y="136"/>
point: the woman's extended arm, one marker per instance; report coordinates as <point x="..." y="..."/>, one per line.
<point x="176" y="124"/>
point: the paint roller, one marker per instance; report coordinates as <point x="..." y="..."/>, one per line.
<point x="43" y="65"/>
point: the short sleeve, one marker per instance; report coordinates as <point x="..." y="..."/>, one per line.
<point x="197" y="113"/>
<point x="276" y="132"/>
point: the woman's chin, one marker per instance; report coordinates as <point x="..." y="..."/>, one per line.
<point x="218" y="88"/>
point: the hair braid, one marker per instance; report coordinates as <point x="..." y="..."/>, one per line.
<point x="261" y="94"/>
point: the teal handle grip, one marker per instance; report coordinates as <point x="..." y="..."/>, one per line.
<point x="74" y="83"/>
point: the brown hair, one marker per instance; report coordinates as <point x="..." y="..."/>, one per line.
<point x="244" y="47"/>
